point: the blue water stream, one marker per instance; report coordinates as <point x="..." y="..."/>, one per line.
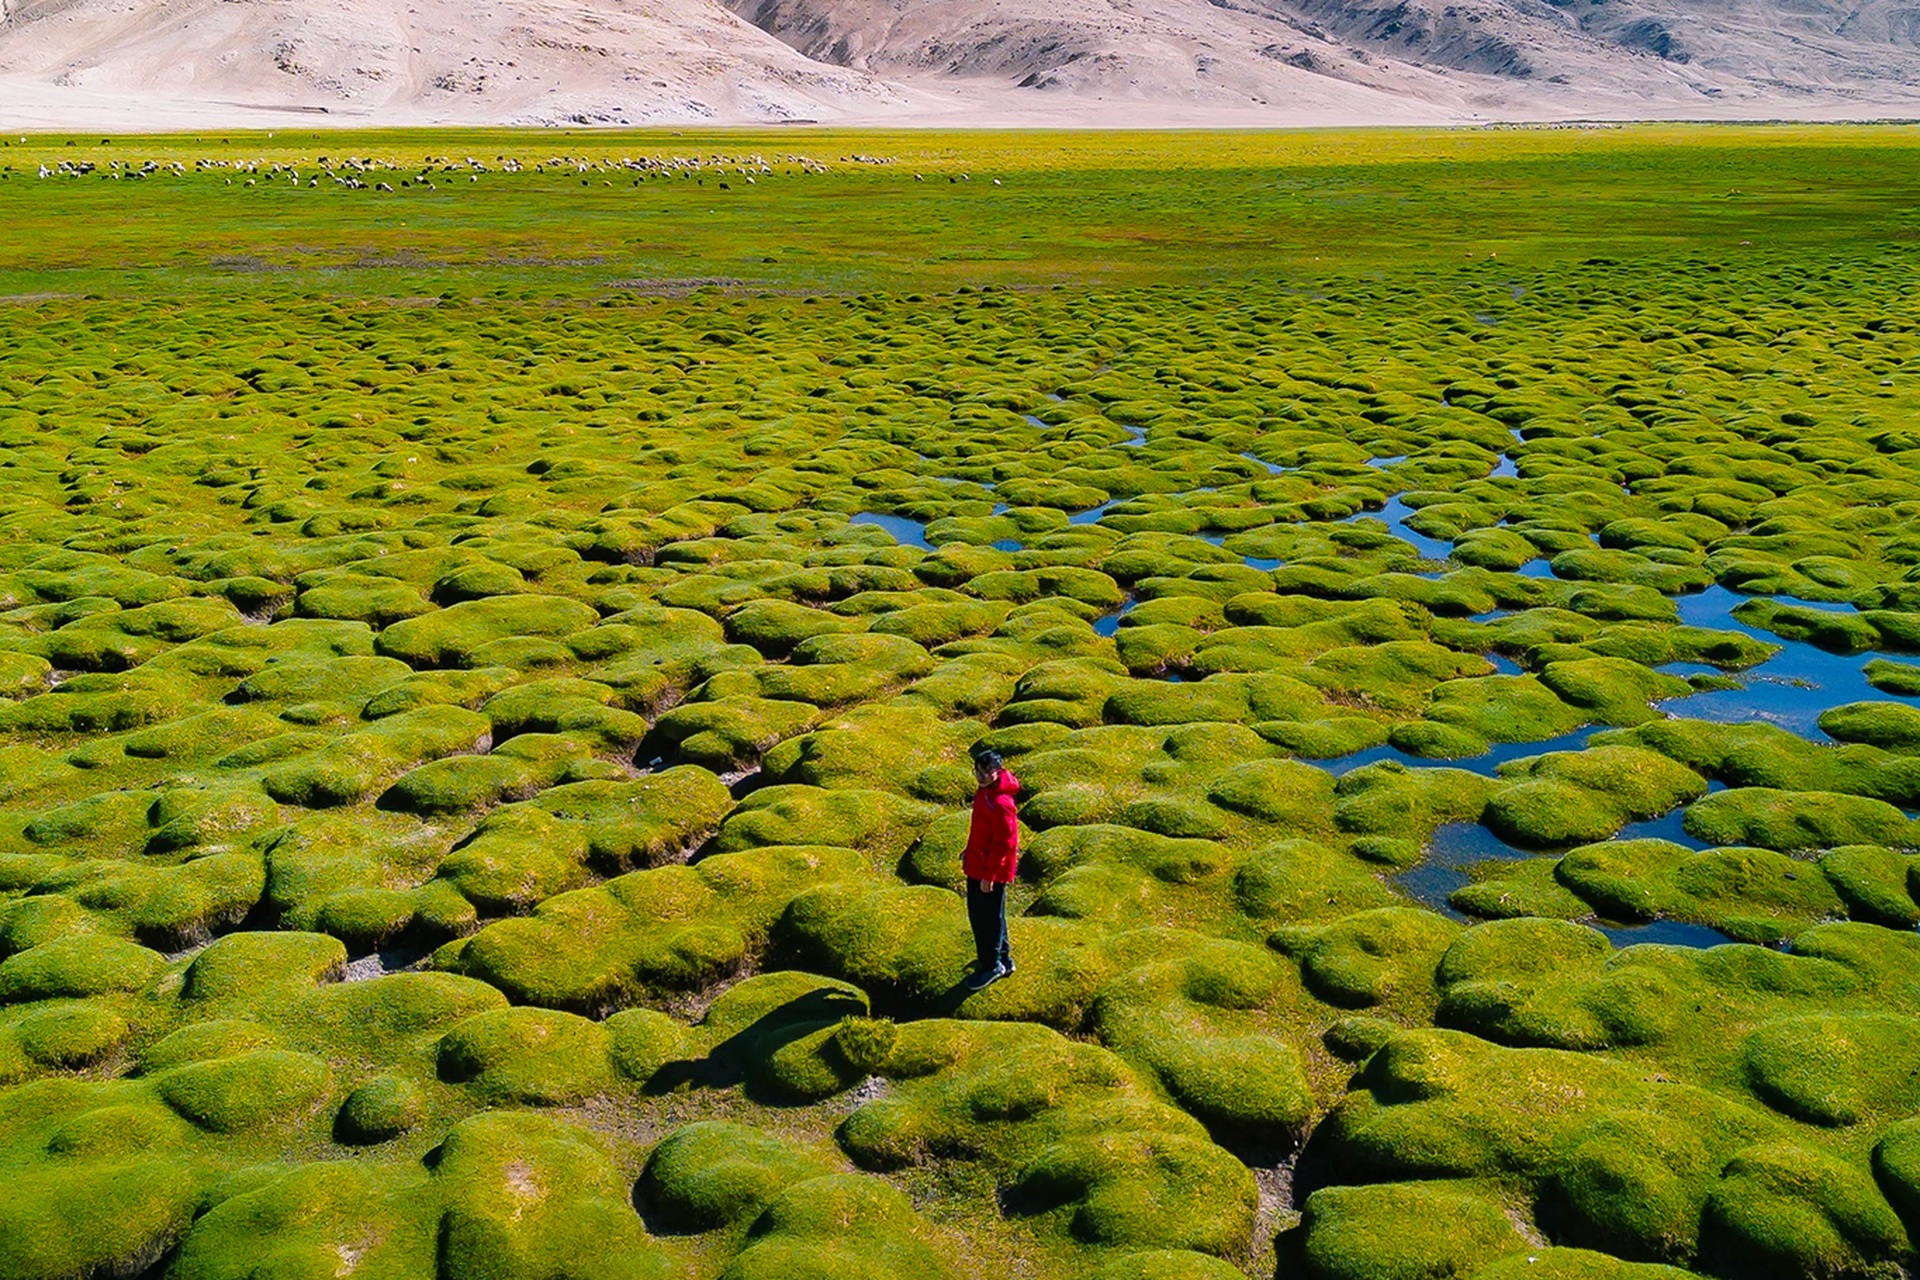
<point x="1790" y="689"/>
<point x="904" y="530"/>
<point x="1394" y="516"/>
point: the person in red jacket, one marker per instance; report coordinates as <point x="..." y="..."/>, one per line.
<point x="991" y="860"/>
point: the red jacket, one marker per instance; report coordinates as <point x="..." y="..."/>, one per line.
<point x="993" y="840"/>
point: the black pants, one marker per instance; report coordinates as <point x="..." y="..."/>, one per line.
<point x="987" y="913"/>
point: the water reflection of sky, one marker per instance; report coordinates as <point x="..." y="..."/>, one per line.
<point x="1791" y="689"/>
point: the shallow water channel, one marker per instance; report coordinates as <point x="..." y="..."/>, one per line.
<point x="1791" y="689"/>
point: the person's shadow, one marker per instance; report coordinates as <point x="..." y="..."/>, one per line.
<point x="731" y="1061"/>
<point x="948" y="1002"/>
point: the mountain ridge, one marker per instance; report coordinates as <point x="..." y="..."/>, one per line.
<point x="182" y="63"/>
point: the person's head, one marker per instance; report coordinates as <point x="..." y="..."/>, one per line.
<point x="986" y="766"/>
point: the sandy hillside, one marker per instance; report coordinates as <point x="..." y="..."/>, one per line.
<point x="547" y="62"/>
<point x="1498" y="57"/>
<point x="207" y="63"/>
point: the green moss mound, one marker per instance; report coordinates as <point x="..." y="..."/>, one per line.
<point x="451" y="637"/>
<point x="1165" y="1264"/>
<point x="1781" y="1209"/>
<point x="526" y="1055"/>
<point x="1572" y="797"/>
<point x="225" y="1095"/>
<point x="839" y="1225"/>
<point x="1402" y="1230"/>
<point x="77" y="967"/>
<point x="1834" y="1070"/>
<point x="488" y="692"/>
<point x="713" y="1172"/>
<point x="380" y="1109"/>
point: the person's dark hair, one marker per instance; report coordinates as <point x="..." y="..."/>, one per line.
<point x="987" y="758"/>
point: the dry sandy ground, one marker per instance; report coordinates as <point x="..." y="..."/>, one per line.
<point x="204" y="65"/>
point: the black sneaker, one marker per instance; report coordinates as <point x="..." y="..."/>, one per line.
<point x="981" y="979"/>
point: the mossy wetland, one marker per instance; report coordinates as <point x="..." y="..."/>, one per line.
<point x="488" y="670"/>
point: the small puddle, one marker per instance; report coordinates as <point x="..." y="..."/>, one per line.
<point x="1454" y="848"/>
<point x="1665" y="933"/>
<point x="1486" y="764"/>
<point x="1394" y="515"/>
<point x="1109" y="624"/>
<point x="1457" y="847"/>
<point x="905" y="531"/>
<point x="1791" y="689"/>
<point x="1092" y="514"/>
<point x="909" y="532"/>
<point x="1670" y="827"/>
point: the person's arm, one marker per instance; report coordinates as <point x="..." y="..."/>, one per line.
<point x="1006" y="835"/>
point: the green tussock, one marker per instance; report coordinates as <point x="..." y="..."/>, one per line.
<point x="488" y="671"/>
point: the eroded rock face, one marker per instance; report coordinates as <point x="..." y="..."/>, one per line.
<point x="95" y="63"/>
<point x="1269" y="52"/>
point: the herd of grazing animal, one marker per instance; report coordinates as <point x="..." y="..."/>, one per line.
<point x="365" y="173"/>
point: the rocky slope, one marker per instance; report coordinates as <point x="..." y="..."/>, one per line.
<point x="1123" y="62"/>
<point x="1680" y="57"/>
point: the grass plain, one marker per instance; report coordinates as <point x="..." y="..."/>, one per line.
<point x="489" y="666"/>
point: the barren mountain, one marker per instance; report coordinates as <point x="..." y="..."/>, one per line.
<point x="1137" y="62"/>
<point x="1682" y="57"/>
<point x="532" y="61"/>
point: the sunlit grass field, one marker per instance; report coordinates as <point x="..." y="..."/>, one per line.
<point x="492" y="626"/>
<point x="1080" y="209"/>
